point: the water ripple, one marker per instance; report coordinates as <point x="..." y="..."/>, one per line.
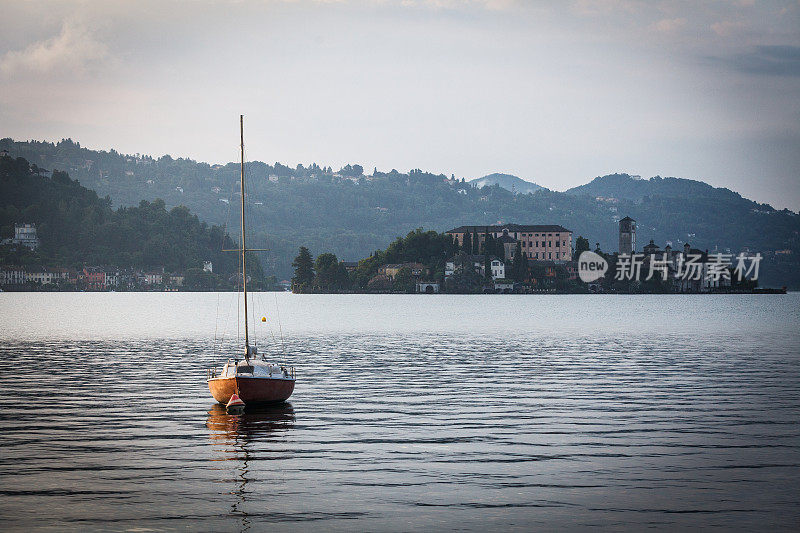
<point x="407" y="432"/>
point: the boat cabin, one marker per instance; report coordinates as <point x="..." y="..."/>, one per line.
<point x="254" y="369"/>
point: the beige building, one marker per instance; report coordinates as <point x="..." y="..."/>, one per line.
<point x="391" y="270"/>
<point x="538" y="242"/>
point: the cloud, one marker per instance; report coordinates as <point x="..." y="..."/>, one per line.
<point x="669" y="25"/>
<point x="773" y="60"/>
<point x="603" y="7"/>
<point x="726" y="27"/>
<point x="492" y="5"/>
<point x="74" y="49"/>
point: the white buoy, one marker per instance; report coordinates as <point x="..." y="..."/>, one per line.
<point x="235" y="405"/>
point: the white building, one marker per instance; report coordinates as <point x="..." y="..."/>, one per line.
<point x="25" y="234"/>
<point x="498" y="269"/>
<point x="19" y="275"/>
<point x="478" y="262"/>
<point x="47" y="276"/>
<point x="427" y="287"/>
<point x="12" y="275"/>
<point x="207" y="266"/>
<point x="112" y="279"/>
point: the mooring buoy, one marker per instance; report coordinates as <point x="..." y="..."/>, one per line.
<point x="235" y="405"/>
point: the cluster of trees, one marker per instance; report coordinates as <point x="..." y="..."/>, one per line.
<point x="351" y="214"/>
<point x="328" y="274"/>
<point x="76" y="227"/>
<point x="430" y="249"/>
<point x="325" y="274"/>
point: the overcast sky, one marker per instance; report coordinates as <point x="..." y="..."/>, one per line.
<point x="554" y="92"/>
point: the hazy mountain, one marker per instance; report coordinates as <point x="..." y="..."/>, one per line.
<point x="506" y="181"/>
<point x="352" y="215"/>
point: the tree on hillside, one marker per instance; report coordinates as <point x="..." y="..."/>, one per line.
<point x="466" y="245"/>
<point x="197" y="279"/>
<point x="466" y="278"/>
<point x="303" y="271"/>
<point x="487" y="267"/>
<point x="581" y="245"/>
<point x="520" y="264"/>
<point x="476" y="244"/>
<point x="331" y="274"/>
<point x="404" y="281"/>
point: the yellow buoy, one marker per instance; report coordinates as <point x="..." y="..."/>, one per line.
<point x="263" y="319"/>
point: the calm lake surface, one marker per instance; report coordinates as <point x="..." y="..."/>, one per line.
<point x="410" y="413"/>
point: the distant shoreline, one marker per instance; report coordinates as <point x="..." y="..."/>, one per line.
<point x="532" y="293"/>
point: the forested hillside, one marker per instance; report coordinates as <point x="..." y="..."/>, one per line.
<point x="76" y="227"/>
<point x="352" y="214"/>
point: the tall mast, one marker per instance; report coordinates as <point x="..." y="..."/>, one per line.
<point x="244" y="249"/>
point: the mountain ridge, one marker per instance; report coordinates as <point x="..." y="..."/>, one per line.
<point x="352" y="214"/>
<point x="626" y="186"/>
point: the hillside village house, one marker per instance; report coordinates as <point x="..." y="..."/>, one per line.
<point x="25" y="234"/>
<point x="538" y="242"/>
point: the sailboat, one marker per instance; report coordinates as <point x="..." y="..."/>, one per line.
<point x="252" y="379"/>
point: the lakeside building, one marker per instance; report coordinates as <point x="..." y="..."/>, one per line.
<point x="547" y="242"/>
<point x="477" y="263"/>
<point x="90" y="278"/>
<point x="20" y="275"/>
<point x="94" y="278"/>
<point x="678" y="261"/>
<point x="391" y="270"/>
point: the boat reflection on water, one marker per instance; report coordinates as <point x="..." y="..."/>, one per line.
<point x="239" y="438"/>
<point x="256" y="421"/>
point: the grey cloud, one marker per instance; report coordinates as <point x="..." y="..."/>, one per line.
<point x="772" y="60"/>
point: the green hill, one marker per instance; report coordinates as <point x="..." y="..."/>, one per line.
<point x="352" y="214"/>
<point x="76" y="227"/>
<point x="634" y="188"/>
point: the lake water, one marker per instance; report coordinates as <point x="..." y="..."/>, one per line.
<point x="417" y="413"/>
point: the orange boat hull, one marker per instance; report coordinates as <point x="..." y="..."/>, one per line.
<point x="251" y="390"/>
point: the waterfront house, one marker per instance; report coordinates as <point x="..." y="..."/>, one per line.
<point x="498" y="269"/>
<point x="46" y="275"/>
<point x="12" y="275"/>
<point x="153" y="278"/>
<point x="477" y="263"/>
<point x="94" y="278"/>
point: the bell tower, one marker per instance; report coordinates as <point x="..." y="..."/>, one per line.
<point x="627" y="236"/>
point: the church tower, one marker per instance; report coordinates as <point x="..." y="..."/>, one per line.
<point x="627" y="236"/>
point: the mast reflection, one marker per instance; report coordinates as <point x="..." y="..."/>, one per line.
<point x="237" y="436"/>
